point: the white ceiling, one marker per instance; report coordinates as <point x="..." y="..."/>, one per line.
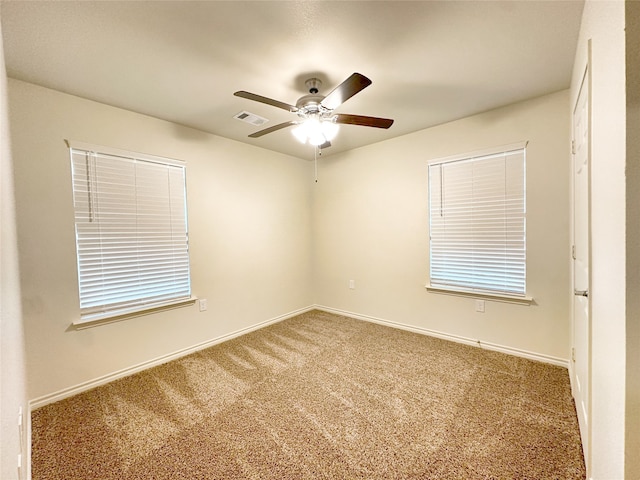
<point x="430" y="61"/>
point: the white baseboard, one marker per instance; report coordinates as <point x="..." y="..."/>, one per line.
<point x="540" y="357"/>
<point x="88" y="385"/>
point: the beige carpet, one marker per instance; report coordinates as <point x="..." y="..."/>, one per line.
<point x="319" y="396"/>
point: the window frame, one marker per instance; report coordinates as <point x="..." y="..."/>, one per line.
<point x="114" y="311"/>
<point x="478" y="293"/>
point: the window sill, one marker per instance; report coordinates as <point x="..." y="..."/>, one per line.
<point x="93" y="320"/>
<point x="496" y="297"/>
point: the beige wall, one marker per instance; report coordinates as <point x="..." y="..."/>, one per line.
<point x="249" y="225"/>
<point x="12" y="368"/>
<point x="371" y="225"/>
<point x="603" y="26"/>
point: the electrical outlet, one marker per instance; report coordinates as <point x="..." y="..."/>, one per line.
<point x="352" y="284"/>
<point x="480" y="306"/>
<point x="202" y="303"/>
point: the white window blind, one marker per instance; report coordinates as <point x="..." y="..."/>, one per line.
<point x="477" y="223"/>
<point x="131" y="233"/>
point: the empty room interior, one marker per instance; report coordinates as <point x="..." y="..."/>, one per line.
<point x="316" y="312"/>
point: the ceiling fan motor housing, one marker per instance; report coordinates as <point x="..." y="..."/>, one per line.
<point x="310" y="103"/>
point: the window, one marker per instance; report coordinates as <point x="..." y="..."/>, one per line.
<point x="477" y="222"/>
<point x="131" y="232"/>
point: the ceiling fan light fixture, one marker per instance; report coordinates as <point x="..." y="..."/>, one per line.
<point x="329" y="129"/>
<point x="316" y="138"/>
<point x="300" y="132"/>
<point x="315" y="131"/>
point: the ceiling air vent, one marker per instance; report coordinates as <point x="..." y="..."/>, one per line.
<point x="251" y="118"/>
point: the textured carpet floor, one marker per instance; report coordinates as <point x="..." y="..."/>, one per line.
<point x="319" y="396"/>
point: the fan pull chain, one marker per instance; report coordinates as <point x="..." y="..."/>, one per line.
<point x="315" y="162"/>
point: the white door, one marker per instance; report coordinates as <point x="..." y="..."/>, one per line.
<point x="581" y="353"/>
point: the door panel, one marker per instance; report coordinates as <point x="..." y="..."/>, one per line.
<point x="581" y="354"/>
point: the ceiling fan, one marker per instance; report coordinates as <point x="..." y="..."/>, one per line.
<point x="316" y="121"/>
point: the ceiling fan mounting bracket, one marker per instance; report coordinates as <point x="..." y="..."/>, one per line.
<point x="313" y="85"/>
